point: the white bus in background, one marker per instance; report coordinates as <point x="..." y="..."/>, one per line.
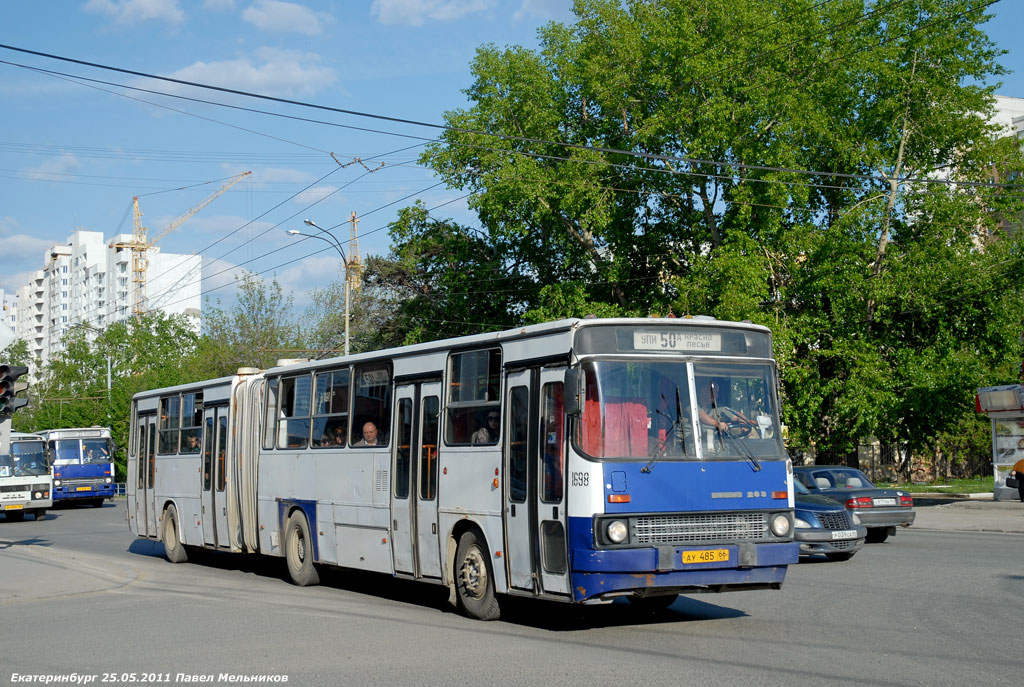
<point x="566" y="461"/>
<point x="26" y="485"/>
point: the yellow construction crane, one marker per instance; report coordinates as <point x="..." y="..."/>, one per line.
<point x="140" y="243"/>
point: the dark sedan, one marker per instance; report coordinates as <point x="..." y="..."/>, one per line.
<point x="880" y="510"/>
<point x="822" y="525"/>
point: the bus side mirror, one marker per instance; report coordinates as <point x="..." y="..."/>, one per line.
<point x="574" y="392"/>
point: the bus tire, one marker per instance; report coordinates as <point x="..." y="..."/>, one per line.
<point x="298" y="551"/>
<point x="474" y="579"/>
<point x="40" y="514"/>
<point x="170" y="533"/>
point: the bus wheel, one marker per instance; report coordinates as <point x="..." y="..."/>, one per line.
<point x="474" y="581"/>
<point x="173" y="547"/>
<point x="298" y="551"/>
<point x="40" y="514"/>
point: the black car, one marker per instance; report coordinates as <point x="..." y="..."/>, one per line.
<point x="880" y="510"/>
<point x="823" y="525"/>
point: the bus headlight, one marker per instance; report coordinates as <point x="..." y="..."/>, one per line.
<point x="780" y="524"/>
<point x="56" y="482"/>
<point x="617" y="531"/>
<point x="109" y="480"/>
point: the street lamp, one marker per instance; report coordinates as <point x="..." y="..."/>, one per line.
<point x="329" y="238"/>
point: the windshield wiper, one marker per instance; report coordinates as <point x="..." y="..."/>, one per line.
<point x="740" y="447"/>
<point x="673" y="431"/>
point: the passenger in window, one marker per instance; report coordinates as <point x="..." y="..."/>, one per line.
<point x="191" y="444"/>
<point x="339" y="435"/>
<point x="488" y="434"/>
<point x="370" y="436"/>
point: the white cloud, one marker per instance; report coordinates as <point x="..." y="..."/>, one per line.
<point x="65" y="164"/>
<point x="286" y="17"/>
<point x="415" y="12"/>
<point x="275" y="72"/>
<point x="314" y="195"/>
<point x="219" y="276"/>
<point x="314" y="272"/>
<point x="137" y="11"/>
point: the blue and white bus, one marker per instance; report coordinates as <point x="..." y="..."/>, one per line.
<point x="83" y="464"/>
<point x="579" y="460"/>
<point x="26" y="485"/>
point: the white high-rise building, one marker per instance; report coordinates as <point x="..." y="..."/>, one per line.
<point x="87" y="281"/>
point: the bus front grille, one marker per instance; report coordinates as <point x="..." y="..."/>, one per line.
<point x="699" y="527"/>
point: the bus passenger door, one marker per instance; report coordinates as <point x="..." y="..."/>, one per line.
<point x="220" y="498"/>
<point x="402" y="466"/>
<point x="145" y="500"/>
<point x="518" y="517"/>
<point x="550" y="456"/>
<point x="428" y="550"/>
<point x="207" y="491"/>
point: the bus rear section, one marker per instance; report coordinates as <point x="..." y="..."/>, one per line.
<point x="83" y="467"/>
<point x="26" y="486"/>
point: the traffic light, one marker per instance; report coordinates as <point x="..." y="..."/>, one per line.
<point x="8" y="389"/>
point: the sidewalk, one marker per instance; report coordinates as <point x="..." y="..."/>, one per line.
<point x="979" y="513"/>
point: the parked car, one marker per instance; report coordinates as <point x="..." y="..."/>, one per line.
<point x="823" y="525"/>
<point x="880" y="510"/>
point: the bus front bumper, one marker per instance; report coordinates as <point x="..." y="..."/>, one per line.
<point x="652" y="570"/>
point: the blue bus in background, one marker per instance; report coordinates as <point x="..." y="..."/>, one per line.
<point x="83" y="464"/>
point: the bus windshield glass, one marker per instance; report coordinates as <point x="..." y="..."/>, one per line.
<point x="95" y="451"/>
<point x="29" y="458"/>
<point x="642" y="409"/>
<point x="67" y="452"/>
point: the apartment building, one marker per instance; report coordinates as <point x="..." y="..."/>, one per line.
<point x="87" y="281"/>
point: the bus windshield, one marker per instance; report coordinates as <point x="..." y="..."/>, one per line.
<point x="67" y="452"/>
<point x="95" y="451"/>
<point x="28" y="458"/>
<point x="642" y="409"/>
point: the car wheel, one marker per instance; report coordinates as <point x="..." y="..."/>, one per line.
<point x="877" y="535"/>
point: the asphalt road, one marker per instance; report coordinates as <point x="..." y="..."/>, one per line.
<point x="79" y="597"/>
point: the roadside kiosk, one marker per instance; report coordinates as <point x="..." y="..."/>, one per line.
<point x="1005" y="406"/>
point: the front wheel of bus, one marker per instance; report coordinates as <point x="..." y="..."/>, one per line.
<point x="173" y="547"/>
<point x="474" y="580"/>
<point x="298" y="551"/>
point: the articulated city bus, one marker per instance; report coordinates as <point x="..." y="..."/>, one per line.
<point x="579" y="460"/>
<point x="83" y="464"/>
<point x="26" y="485"/>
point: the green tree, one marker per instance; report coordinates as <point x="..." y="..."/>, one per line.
<point x="823" y="168"/>
<point x="254" y="332"/>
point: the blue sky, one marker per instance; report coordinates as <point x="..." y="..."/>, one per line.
<point x="72" y="156"/>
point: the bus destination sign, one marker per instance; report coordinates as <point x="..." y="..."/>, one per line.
<point x="677" y="341"/>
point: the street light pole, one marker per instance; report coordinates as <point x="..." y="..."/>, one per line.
<point x="344" y="261"/>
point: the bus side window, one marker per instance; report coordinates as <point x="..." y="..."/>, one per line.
<point x="551" y="442"/>
<point x="474" y="394"/>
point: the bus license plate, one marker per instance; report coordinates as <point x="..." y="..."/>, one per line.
<point x="706" y="556"/>
<point x="844" y="534"/>
<point x="14" y="506"/>
<point x="83" y="489"/>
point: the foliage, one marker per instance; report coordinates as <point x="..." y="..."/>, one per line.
<point x="255" y="332"/>
<point x="155" y="351"/>
<point x="790" y="165"/>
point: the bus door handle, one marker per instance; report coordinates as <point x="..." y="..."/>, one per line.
<point x="554" y="512"/>
<point x="512" y="510"/>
